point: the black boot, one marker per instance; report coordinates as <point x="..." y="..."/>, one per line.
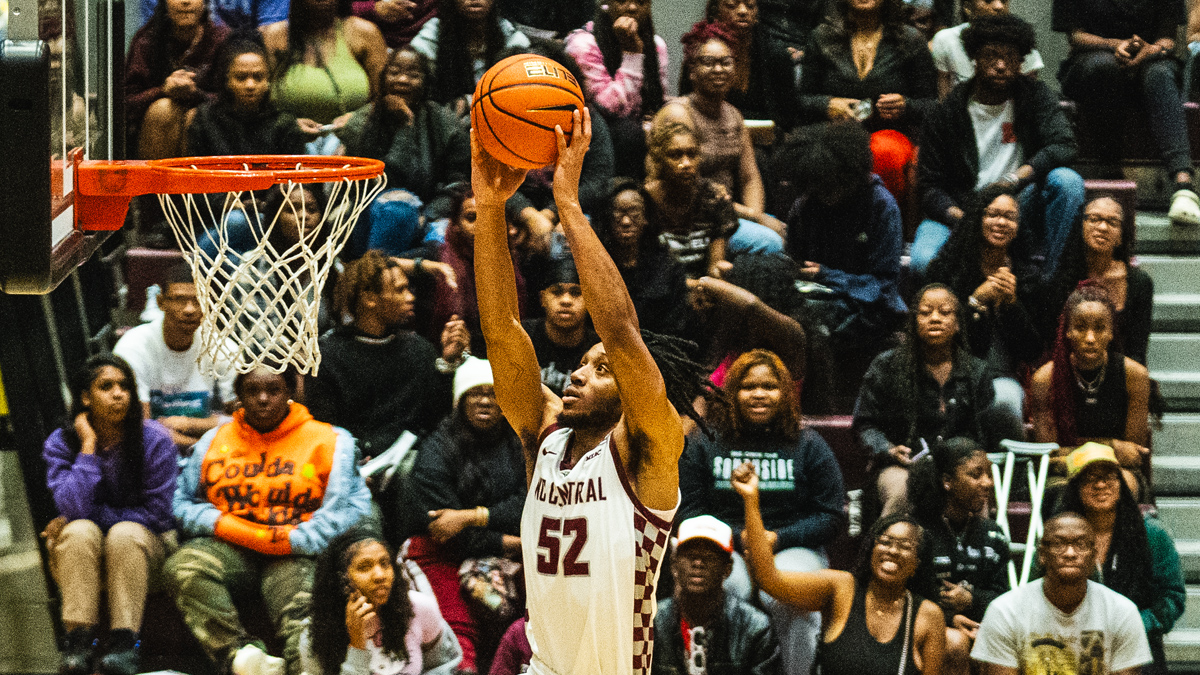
<point x="122" y="656"/>
<point x="78" y="651"/>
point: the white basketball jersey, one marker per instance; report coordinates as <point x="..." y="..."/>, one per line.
<point x="592" y="554"/>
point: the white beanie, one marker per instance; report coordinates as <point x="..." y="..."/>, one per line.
<point x="474" y="372"/>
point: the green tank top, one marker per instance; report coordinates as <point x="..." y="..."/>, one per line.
<point x="321" y="94"/>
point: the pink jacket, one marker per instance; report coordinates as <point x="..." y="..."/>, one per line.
<point x="621" y="93"/>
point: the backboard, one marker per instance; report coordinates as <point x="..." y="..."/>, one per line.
<point x="60" y="67"/>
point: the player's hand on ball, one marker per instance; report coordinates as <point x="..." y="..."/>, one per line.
<point x="492" y="181"/>
<point x="570" y="156"/>
<point x="745" y="481"/>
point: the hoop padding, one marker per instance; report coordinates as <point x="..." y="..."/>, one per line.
<point x="261" y="302"/>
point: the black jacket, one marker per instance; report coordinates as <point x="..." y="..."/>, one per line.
<point x="980" y="559"/>
<point x="740" y="643"/>
<point x="949" y="166"/>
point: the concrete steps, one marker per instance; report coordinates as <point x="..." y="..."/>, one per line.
<point x="1175" y="362"/>
<point x="1156" y="235"/>
<point x="1176" y="291"/>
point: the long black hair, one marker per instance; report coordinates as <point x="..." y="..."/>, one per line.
<point x="1073" y="264"/>
<point x="241" y="41"/>
<point x="606" y="39"/>
<point x="380" y="128"/>
<point x="455" y="69"/>
<point x="1126" y="569"/>
<point x="957" y="263"/>
<point x="649" y="245"/>
<point x="300" y="36"/>
<point x="470" y="448"/>
<point x="862" y="568"/>
<point x="162" y="37"/>
<point x="331" y="592"/>
<point x="130" y="478"/>
<point x="926" y="492"/>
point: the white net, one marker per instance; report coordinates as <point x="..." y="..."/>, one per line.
<point x="260" y="262"/>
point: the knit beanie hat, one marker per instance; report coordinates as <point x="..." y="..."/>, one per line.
<point x="474" y="372"/>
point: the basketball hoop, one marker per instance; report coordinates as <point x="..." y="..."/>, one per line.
<point x="259" y="261"/>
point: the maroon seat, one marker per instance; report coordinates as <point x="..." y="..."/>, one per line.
<point x="145" y="267"/>
<point x="852" y="460"/>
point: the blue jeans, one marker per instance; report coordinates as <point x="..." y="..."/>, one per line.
<point x="1048" y="212"/>
<point x="797" y="631"/>
<point x="751" y="237"/>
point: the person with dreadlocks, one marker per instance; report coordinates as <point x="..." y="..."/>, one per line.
<point x="1135" y="556"/>
<point x="602" y="462"/>
<point x="802" y="490"/>
<point x="1088" y="391"/>
<point x="366" y="620"/>
<point x="927" y="389"/>
<point x="326" y="63"/>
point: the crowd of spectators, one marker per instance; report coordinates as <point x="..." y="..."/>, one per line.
<point x="1014" y="304"/>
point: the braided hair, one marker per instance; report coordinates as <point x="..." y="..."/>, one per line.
<point x="1062" y="377"/>
<point x="685" y="378"/>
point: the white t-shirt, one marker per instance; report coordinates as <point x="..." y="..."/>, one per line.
<point x="996" y="140"/>
<point x="950" y="57"/>
<point x="171" y="381"/>
<point x="1022" y="630"/>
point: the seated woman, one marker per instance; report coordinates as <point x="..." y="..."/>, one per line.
<point x="470" y="479"/>
<point x="927" y="389"/>
<point x="803" y="506"/>
<point x="1001" y="296"/>
<point x="260" y="497"/>
<point x="1099" y="250"/>
<point x="243" y="120"/>
<point x="726" y="152"/>
<point x="168" y="74"/>
<point x="865" y="63"/>
<point x="533" y="205"/>
<point x="764" y="77"/>
<point x="462" y="42"/>
<point x="1123" y="57"/>
<point x="325" y="63"/>
<point x="423" y="148"/>
<point x="366" y="619"/>
<point x="615" y="51"/>
<point x="398" y="20"/>
<point x="111" y="474"/>
<point x="949" y="491"/>
<point x="629" y="229"/>
<point x="1089" y="391"/>
<point x="872" y="623"/>
<point x="547" y="19"/>
<point x="1136" y="555"/>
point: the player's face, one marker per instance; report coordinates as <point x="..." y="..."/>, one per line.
<point x="894" y="556"/>
<point x="371" y="573"/>
<point x="248" y="80"/>
<point x="1100" y="487"/>
<point x="970" y="484"/>
<point x="181" y="307"/>
<point x="712" y="69"/>
<point x="700" y="567"/>
<point x="1068" y="550"/>
<point x="480" y="407"/>
<point x="1000" y="222"/>
<point x="1102" y="220"/>
<point x="1089" y="331"/>
<point x="563" y="304"/>
<point x="264" y="397"/>
<point x="758" y="395"/>
<point x="394" y="302"/>
<point x="628" y="218"/>
<point x="592" y="397"/>
<point x="937" y="318"/>
<point x="107" y="398"/>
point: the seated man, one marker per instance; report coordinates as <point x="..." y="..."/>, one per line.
<point x="563" y="336"/>
<point x="845" y="232"/>
<point x="1063" y="619"/>
<point x="953" y="65"/>
<point x="378" y="379"/>
<point x="999" y="127"/>
<point x="169" y="364"/>
<point x="702" y="624"/>
<point x="260" y="497"/>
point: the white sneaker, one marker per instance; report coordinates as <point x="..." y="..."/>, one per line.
<point x="1185" y="208"/>
<point x="252" y="660"/>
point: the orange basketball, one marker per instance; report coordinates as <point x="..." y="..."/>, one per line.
<point x="517" y="104"/>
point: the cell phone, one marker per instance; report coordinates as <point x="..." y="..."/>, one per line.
<point x="924" y="450"/>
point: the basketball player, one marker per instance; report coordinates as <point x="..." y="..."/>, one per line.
<point x="602" y="461"/>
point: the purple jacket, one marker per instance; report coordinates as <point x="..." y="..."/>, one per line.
<point x="79" y="482"/>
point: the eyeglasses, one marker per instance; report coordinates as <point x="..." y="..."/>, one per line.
<point x="698" y="658"/>
<point x="906" y="545"/>
<point x="1059" y="547"/>
<point x="1096" y="219"/>
<point x="1010" y="216"/>
<point x="711" y="62"/>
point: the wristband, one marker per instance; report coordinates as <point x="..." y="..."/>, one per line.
<point x="418" y="265"/>
<point x="482" y="516"/>
<point x="1012" y="177"/>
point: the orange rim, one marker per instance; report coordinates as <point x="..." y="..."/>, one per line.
<point x="281" y="168"/>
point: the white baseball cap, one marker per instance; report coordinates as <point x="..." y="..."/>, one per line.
<point x="707" y="527"/>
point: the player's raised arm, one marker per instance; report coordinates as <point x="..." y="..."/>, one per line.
<point x="650" y="429"/>
<point x="517" y="375"/>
